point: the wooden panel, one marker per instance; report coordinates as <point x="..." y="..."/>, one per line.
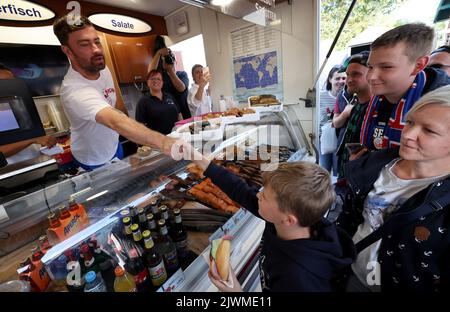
<point x="131" y="57"/>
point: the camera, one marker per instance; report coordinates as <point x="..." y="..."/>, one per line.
<point x="169" y="58"/>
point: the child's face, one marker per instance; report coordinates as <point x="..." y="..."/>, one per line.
<point x="268" y="206"/>
<point x="391" y="73"/>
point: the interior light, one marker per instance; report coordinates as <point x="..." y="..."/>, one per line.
<point x="197" y="3"/>
<point x="97" y="195"/>
<point x="221" y="2"/>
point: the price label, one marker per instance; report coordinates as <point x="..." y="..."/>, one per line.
<point x="227" y="228"/>
<point x="239" y="215"/>
<point x="175" y="282"/>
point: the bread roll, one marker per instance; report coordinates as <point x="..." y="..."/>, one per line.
<point x="223" y="259"/>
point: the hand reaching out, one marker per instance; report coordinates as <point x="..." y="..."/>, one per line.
<point x="46" y="140"/>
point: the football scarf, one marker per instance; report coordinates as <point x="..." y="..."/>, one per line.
<point x="393" y="130"/>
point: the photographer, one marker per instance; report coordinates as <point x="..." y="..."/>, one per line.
<point x="175" y="82"/>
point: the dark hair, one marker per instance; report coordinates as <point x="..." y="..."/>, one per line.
<point x="330" y="75"/>
<point x="194" y="68"/>
<point x="444" y="48"/>
<point x="159" y="44"/>
<point x="152" y="73"/>
<point x="418" y="39"/>
<point x="360" y="58"/>
<point x="62" y="27"/>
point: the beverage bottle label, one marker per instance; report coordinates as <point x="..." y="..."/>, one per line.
<point x="141" y="277"/>
<point x="171" y="260"/>
<point x="158" y="274"/>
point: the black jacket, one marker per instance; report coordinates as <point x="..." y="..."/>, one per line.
<point x="415" y="257"/>
<point x="293" y="265"/>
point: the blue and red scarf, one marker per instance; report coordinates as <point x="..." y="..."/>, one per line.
<point x="393" y="130"/>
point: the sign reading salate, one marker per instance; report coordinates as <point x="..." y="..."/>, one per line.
<point x="24" y="11"/>
<point x="120" y="23"/>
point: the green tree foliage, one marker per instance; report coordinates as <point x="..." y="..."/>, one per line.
<point x="365" y="13"/>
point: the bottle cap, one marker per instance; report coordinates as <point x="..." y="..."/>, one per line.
<point x="146" y="234"/>
<point x="118" y="271"/>
<point x="150" y="216"/>
<point x="134" y="227"/>
<point x="125" y="213"/>
<point x="126" y="220"/>
<point x="140" y="210"/>
<point x="161" y="222"/>
<point x="84" y="248"/>
<point x="177" y="211"/>
<point x="90" y="276"/>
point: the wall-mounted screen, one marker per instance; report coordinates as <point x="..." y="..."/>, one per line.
<point x="41" y="67"/>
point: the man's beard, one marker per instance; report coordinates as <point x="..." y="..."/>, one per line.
<point x="95" y="64"/>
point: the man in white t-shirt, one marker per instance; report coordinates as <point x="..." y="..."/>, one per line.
<point x="88" y="96"/>
<point x="198" y="100"/>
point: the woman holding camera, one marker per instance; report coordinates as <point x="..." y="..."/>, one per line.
<point x="175" y="82"/>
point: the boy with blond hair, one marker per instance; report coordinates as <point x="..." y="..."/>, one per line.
<point x="300" y="250"/>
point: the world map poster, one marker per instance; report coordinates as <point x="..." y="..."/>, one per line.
<point x="256" y="63"/>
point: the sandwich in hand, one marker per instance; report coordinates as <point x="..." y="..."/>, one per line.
<point x="220" y="257"/>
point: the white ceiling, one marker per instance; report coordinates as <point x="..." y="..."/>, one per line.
<point x="155" y="7"/>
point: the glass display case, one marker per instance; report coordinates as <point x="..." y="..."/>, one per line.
<point x="140" y="185"/>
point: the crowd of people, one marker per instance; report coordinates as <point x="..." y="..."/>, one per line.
<point x="391" y="109"/>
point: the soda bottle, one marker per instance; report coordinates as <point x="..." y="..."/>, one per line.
<point x="137" y="235"/>
<point x="123" y="282"/>
<point x="127" y="227"/>
<point x="155" y="211"/>
<point x="94" y="282"/>
<point x="134" y="214"/>
<point x="44" y="245"/>
<point x="142" y="219"/>
<point x="25" y="275"/>
<point x="99" y="255"/>
<point x="167" y="249"/>
<point x="78" y="209"/>
<point x="154" y="261"/>
<point x="63" y="213"/>
<point x="136" y="267"/>
<point x="179" y="235"/>
<point x="107" y="272"/>
<point x="153" y="227"/>
<point x="165" y="215"/>
<point x="88" y="263"/>
<point x="54" y="221"/>
<point x="124" y="213"/>
<point x="36" y="254"/>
